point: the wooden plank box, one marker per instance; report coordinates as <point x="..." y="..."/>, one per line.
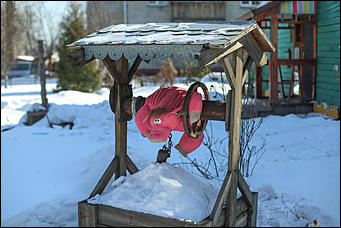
<point x="98" y="215"/>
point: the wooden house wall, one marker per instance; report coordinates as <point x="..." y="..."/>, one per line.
<point x="184" y="11"/>
<point x="328" y="53"/>
<point x="265" y="77"/>
<point x="284" y="44"/>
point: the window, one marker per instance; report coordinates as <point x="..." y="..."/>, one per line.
<point x="157" y="3"/>
<point x="249" y="3"/>
<point x="19" y="66"/>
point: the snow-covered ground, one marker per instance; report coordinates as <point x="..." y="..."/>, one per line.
<point x="46" y="171"/>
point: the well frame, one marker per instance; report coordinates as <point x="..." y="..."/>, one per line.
<point x="235" y="52"/>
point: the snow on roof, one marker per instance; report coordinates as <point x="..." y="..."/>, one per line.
<point x="262" y="3"/>
<point x="25" y="58"/>
<point x="214" y="33"/>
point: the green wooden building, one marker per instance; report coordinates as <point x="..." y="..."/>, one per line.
<point x="328" y="53"/>
<point x="306" y="35"/>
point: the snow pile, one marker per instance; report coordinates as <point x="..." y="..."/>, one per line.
<point x="161" y="189"/>
<point x="297" y="178"/>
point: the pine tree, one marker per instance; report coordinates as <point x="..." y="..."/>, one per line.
<point x="86" y="78"/>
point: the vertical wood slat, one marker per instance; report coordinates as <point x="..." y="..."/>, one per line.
<point x="228" y="110"/>
<point x="253" y="218"/>
<point x="300" y="67"/>
<point x="281" y="78"/>
<point x="248" y="197"/>
<point x="273" y="79"/>
<point x="87" y="214"/>
<point x="242" y="220"/>
<point x="291" y="81"/>
<point x="231" y="202"/>
<point x="314" y="56"/>
<point x="230" y="96"/>
<point x="231" y="124"/>
<point x="109" y="172"/>
<point x="259" y="81"/>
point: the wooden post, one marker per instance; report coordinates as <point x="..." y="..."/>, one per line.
<point x="87" y="214"/>
<point x="259" y="81"/>
<point x="42" y="74"/>
<point x="235" y="73"/>
<point x="273" y="79"/>
<point x="315" y="54"/>
<point x="258" y="76"/>
<point x="122" y="90"/>
<point x="120" y="123"/>
<point x="300" y="68"/>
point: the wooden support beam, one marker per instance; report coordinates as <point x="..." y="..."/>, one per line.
<point x="226" y="72"/>
<point x="120" y="134"/>
<point x="234" y="138"/>
<point x="114" y="67"/>
<point x="109" y="172"/>
<point x="211" y="56"/>
<point x="78" y="57"/>
<point x="273" y="79"/>
<point x="224" y="190"/>
<point x="253" y="221"/>
<point x="300" y="68"/>
<point x="122" y="66"/>
<point x="131" y="166"/>
<point x="259" y="81"/>
<point x="134" y="67"/>
<point x="244" y="189"/>
<point x="230" y="72"/>
<point x="228" y="110"/>
<point x="281" y="78"/>
<point x="237" y="109"/>
<point x="314" y="56"/>
<point x="111" y="67"/>
<point x="231" y="202"/>
<point x="291" y="62"/>
<point x="246" y="68"/>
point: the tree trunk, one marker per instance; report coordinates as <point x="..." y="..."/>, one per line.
<point x="42" y="74"/>
<point x="9" y="31"/>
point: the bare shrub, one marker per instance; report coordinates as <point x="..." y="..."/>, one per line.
<point x="190" y="69"/>
<point x="167" y="72"/>
<point x="249" y="155"/>
<point x="215" y="166"/>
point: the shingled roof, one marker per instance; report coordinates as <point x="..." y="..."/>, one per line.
<point x="165" y="33"/>
<point x="164" y="40"/>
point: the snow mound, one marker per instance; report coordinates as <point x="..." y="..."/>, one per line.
<point x="161" y="189"/>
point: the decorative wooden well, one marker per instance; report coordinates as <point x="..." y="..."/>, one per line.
<point x="235" y="45"/>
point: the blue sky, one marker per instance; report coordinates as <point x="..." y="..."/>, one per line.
<point x="59" y="8"/>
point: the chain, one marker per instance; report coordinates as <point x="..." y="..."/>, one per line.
<point x="165" y="152"/>
<point x="170" y="144"/>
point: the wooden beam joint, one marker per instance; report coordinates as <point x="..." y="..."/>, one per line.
<point x="78" y="56"/>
